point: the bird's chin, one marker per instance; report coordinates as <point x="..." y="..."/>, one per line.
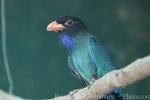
<point x="56" y="31"/>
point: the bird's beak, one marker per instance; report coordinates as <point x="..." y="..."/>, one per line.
<point x="55" y="27"/>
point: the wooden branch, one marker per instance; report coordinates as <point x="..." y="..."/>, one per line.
<point x="6" y="96"/>
<point x="132" y="73"/>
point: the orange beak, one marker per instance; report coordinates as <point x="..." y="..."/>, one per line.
<point x="55" y="27"/>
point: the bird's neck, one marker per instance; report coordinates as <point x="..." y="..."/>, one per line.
<point x="68" y="41"/>
<point x="72" y="41"/>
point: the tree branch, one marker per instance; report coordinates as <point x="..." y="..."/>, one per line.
<point x="6" y="96"/>
<point x="132" y="73"/>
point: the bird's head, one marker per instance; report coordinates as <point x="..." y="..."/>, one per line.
<point x="67" y="24"/>
<point x="69" y="29"/>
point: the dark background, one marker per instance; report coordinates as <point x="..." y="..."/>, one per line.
<point x="37" y="58"/>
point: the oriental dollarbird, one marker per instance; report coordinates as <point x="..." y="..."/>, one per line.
<point x="87" y="57"/>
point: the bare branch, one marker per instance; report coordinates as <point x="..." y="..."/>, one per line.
<point x="6" y="96"/>
<point x="130" y="74"/>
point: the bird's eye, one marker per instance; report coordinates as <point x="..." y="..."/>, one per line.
<point x="69" y="22"/>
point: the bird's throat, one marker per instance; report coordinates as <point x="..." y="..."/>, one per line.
<point x="67" y="40"/>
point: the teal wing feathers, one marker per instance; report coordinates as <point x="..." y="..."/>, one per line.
<point x="75" y="72"/>
<point x="100" y="57"/>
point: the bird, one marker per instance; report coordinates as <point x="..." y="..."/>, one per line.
<point x="88" y="59"/>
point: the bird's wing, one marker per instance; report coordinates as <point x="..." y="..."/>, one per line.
<point x="75" y="72"/>
<point x="99" y="56"/>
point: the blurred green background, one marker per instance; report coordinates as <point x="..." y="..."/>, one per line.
<point x="37" y="58"/>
